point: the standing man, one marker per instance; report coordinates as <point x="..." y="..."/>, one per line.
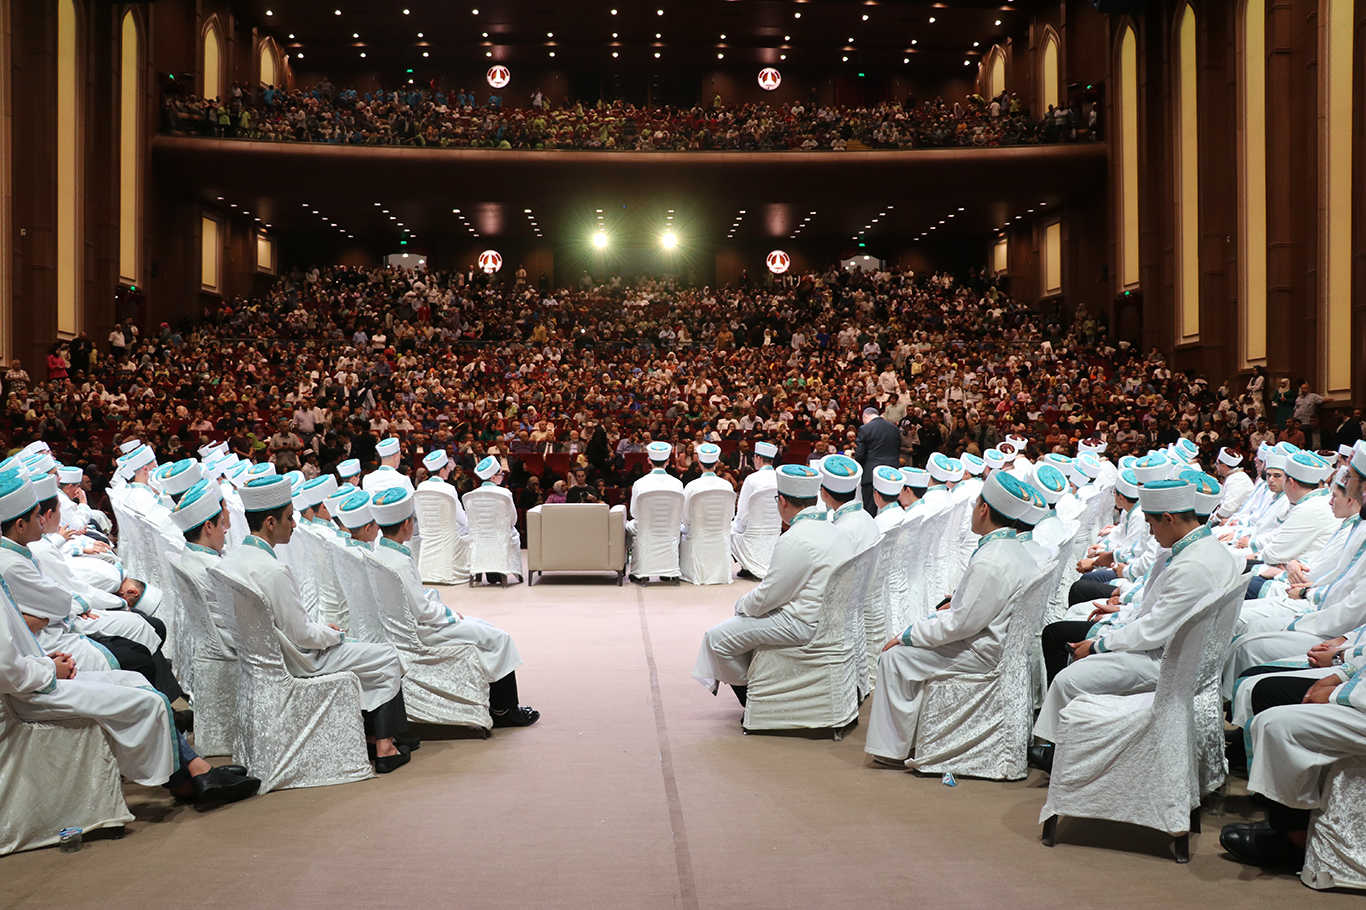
<point x="878" y="442"/>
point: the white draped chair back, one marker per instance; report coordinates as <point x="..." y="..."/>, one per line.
<point x="325" y="599"/>
<point x="906" y="580"/>
<point x="704" y="555"/>
<point x="362" y="604"/>
<point x="1209" y="702"/>
<point x="294" y="731"/>
<point x="978" y="724"/>
<point x="658" y="520"/>
<point x="1135" y="758"/>
<point x="215" y="668"/>
<point x="817" y="685"/>
<point x="875" y="604"/>
<point x="445" y="555"/>
<point x="441" y="684"/>
<point x="492" y="549"/>
<point x="763" y="526"/>
<point x="1335" y="856"/>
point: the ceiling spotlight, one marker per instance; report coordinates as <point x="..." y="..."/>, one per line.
<point x="475" y="11"/>
<point x="614" y="34"/>
<point x="782" y="56"/>
<point x="976" y="43"/>
<point x="905" y="59"/>
<point x="552" y="53"/>
<point x="865" y="17"/>
<point x="658" y="35"/>
<point x="486" y="54"/>
<point x="915" y="41"/>
<point x="291" y="36"/>
<point x="796" y="15"/>
<point x="659" y="12"/>
<point x="425" y="54"/>
<point x="486" y="34"/>
<point x="420" y="35"/>
<point x="720" y="56"/>
<point x="600" y="240"/>
<point x="550" y="34"/>
<point x="998" y="21"/>
<point x="614" y="12"/>
<point x="270" y="12"/>
<point x="787" y="37"/>
<point x="337" y="12"/>
<point x="362" y="53"/>
<point x="355" y="34"/>
<point x="845" y="59"/>
<point x="656" y="55"/>
<point x="406" y="12"/>
<point x="931" y="20"/>
<point x="614" y="53"/>
<point x="298" y="56"/>
<point x="723" y="37"/>
<point x="670" y="240"/>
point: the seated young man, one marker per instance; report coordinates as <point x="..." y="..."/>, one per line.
<point x="310" y="648"/>
<point x="137" y="721"/>
<point x="967" y="635"/>
<point x="1125" y="658"/>
<point x="782" y="610"/>
<point x="438" y="624"/>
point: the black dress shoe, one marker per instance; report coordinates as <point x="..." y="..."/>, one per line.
<point x="746" y="573"/>
<point x="1260" y="844"/>
<point x="184" y="721"/>
<point x="239" y="770"/>
<point x="392" y="762"/>
<point x="1041" y="757"/>
<point x="411" y="742"/>
<point x="219" y="786"/>
<point x="520" y="716"/>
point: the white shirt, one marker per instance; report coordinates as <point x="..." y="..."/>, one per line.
<point x="763" y="482"/>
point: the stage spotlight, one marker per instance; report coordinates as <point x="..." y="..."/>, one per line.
<point x="670" y="240"/>
<point x="600" y="240"/>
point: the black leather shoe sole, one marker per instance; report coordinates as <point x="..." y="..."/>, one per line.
<point x="392" y="762"/>
<point x="221" y="794"/>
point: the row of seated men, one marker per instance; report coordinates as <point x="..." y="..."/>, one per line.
<point x="80" y="639"/>
<point x="1294" y="533"/>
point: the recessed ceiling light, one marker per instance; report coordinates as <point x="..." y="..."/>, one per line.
<point x="355" y="34"/>
<point x="720" y="56"/>
<point x="931" y="20"/>
<point x="420" y="35"/>
<point x="658" y="35"/>
<point x="614" y="53"/>
<point x="270" y="13"/>
<point x="906" y="60"/>
<point x="475" y="11"/>
<point x="782" y="56"/>
<point x="614" y="12"/>
<point x="998" y="21"/>
<point x="291" y="36"/>
<point x="845" y="59"/>
<point x="486" y="34"/>
<point x="865" y="17"/>
<point x="787" y="37"/>
<point x="298" y="56"/>
<point x="552" y="53"/>
<point x="486" y="54"/>
<point x="656" y="55"/>
<point x="425" y="54"/>
<point x="796" y="15"/>
<point x="659" y="12"/>
<point x="915" y="41"/>
<point x="362" y="53"/>
<point x="336" y="12"/>
<point x="976" y="43"/>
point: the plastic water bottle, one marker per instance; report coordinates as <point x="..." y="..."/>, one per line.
<point x="70" y="840"/>
<point x="948" y="779"/>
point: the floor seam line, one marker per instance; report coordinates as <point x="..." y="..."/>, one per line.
<point x="687" y="885"/>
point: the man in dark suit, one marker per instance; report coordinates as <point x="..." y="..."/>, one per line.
<point x="878" y="443"/>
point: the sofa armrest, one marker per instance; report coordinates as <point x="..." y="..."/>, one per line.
<point x="533" y="539"/>
<point x="616" y="537"/>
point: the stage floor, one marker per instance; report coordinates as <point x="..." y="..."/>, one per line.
<point x="635" y="790"/>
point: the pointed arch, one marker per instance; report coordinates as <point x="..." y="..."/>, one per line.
<point x="268" y="67"/>
<point x="993" y="75"/>
<point x="211" y="58"/>
<point x="1050" y="69"/>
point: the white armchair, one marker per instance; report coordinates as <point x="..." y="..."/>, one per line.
<point x="653" y="534"/>
<point x="704" y="552"/>
<point x="576" y="537"/>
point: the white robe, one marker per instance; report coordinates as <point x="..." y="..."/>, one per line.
<point x="112" y="614"/>
<point x="462" y="521"/>
<point x="750" y="554"/>
<point x="310" y="648"/>
<point x="39" y="596"/>
<point x="1128" y="654"/>
<point x="783" y="609"/>
<point x="438" y="624"/>
<point x="1308" y="525"/>
<point x="965" y="637"/>
<point x="890" y="517"/>
<point x="862" y="528"/>
<point x="1237" y="488"/>
<point x="136" y="719"/>
<point x="708" y="481"/>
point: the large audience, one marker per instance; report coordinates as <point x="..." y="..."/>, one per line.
<point x="441" y="119"/>
<point x="333" y="359"/>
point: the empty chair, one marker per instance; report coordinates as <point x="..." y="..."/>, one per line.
<point x="575" y="537"/>
<point x="294" y="732"/>
<point x="978" y="724"/>
<point x="816" y="686"/>
<point x="215" y="670"/>
<point x="441" y="685"/>
<point x="57" y="774"/>
<point x="494" y="545"/>
<point x="445" y="555"/>
<point x="652" y="535"/>
<point x="1133" y="758"/>
<point x="704" y="554"/>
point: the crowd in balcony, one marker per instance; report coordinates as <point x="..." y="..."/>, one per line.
<point x="460" y="119"/>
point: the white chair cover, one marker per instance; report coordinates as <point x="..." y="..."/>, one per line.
<point x="295" y="732"/>
<point x="930" y="563"/>
<point x="445" y="555"/>
<point x="319" y="575"/>
<point x="978" y="724"/>
<point x="1069" y="554"/>
<point x="493" y="545"/>
<point x="215" y="671"/>
<point x="1211" y="760"/>
<point x="1133" y="758"/>
<point x="157" y="554"/>
<point x="362" y="603"/>
<point x="816" y="686"/>
<point x="653" y="535"/>
<point x="441" y="685"/>
<point x="704" y="555"/>
<point x="763" y="526"/>
<point x="906" y="589"/>
<point x="56" y="775"/>
<point x="886" y="570"/>
<point x="1335" y="856"/>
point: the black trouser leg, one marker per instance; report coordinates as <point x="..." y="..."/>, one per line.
<point x="1056" y="636"/>
<point x="1084" y="589"/>
<point x="1281" y="690"/>
<point x="1285" y="819"/>
<point x="388" y="720"/>
<point x="867" y="491"/>
<point x="742" y="693"/>
<point x="135" y="657"/>
<point x="503" y="694"/>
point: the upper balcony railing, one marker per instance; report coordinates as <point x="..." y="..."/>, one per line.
<point x="435" y="120"/>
